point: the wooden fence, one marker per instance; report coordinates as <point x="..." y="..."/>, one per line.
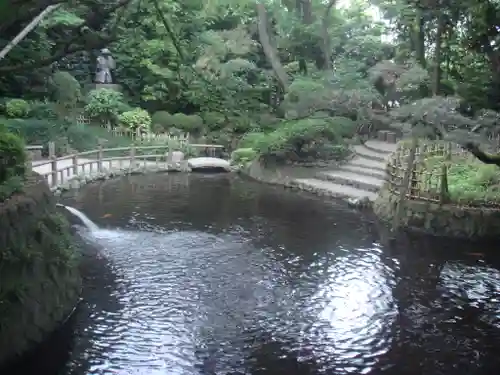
<point x="137" y="135"/>
<point x="427" y="182"/>
<point x="58" y="170"/>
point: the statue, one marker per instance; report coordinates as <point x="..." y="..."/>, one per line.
<point x="105" y="64"/>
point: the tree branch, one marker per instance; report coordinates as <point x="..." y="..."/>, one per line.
<point x="326" y="36"/>
<point x="482" y="156"/>
<point x="269" y="51"/>
<point x="72" y="46"/>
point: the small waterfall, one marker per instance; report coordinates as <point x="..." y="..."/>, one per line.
<point x="85" y="220"/>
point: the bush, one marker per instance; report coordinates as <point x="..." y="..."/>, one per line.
<point x="470" y="182"/>
<point x="243" y="155"/>
<point x="66" y="90"/>
<point x="137" y="118"/>
<point x="345" y="127"/>
<point x="189" y="124"/>
<point x="12" y="156"/>
<point x="17" y="108"/>
<point x="105" y="105"/>
<point x="300" y="140"/>
<point x="213" y="120"/>
<point x="162" y="120"/>
<point x="42" y="111"/>
<point x="35" y="131"/>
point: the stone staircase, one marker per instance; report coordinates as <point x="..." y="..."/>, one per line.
<point x="359" y="179"/>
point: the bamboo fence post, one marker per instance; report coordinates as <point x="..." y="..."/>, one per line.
<point x="405" y="185"/>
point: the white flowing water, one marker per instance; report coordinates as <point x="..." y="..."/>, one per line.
<point x="85" y="220"/>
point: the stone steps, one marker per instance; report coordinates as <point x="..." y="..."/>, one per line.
<point x="363" y="170"/>
<point x="332" y="189"/>
<point x="367" y="153"/>
<point x="358" y="180"/>
<point x="380" y="147"/>
<point x="374" y="165"/>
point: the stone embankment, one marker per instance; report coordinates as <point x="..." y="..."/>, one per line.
<point x="39" y="279"/>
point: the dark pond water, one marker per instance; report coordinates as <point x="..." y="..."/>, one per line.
<point x="210" y="274"/>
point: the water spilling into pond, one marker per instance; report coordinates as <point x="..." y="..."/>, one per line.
<point x="215" y="275"/>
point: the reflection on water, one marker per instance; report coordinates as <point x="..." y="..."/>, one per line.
<point x="213" y="275"/>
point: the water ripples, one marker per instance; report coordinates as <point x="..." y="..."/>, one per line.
<point x="256" y="292"/>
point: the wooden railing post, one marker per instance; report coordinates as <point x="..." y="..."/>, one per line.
<point x="53" y="164"/>
<point x="100" y="154"/>
<point x="29" y="161"/>
<point x="405" y="185"/>
<point x="132" y="157"/>
<point x="74" y="160"/>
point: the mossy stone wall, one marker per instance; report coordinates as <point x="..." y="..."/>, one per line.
<point x="39" y="277"/>
<point x="448" y="220"/>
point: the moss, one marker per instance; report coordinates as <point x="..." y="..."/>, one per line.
<point x="39" y="279"/>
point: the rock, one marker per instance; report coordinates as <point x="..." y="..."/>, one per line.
<point x="209" y="163"/>
<point x="177" y="157"/>
<point x="359" y="203"/>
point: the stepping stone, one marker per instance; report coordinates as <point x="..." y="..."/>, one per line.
<point x="356" y="180"/>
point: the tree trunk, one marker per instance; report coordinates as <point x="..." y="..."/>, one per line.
<point x="19" y="37"/>
<point x="327" y="48"/>
<point x="269" y="51"/>
<point x="307" y="14"/>
<point x="436" y="84"/>
<point x="419" y="37"/>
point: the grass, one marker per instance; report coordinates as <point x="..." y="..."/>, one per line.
<point x="470" y="182"/>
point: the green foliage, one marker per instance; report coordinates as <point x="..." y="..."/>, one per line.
<point x="213" y="120"/>
<point x="17" y="108"/>
<point x="42" y="110"/>
<point x="163" y="119"/>
<point x="66" y="90"/>
<point x="13" y="163"/>
<point x="187" y="123"/>
<point x="243" y="155"/>
<point x="135" y="119"/>
<point x="300" y="140"/>
<point x="105" y="105"/>
<point x="470" y="182"/>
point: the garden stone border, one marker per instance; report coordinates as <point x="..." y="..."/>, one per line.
<point x="80" y="180"/>
<point x="447" y="220"/>
<point x="248" y="171"/>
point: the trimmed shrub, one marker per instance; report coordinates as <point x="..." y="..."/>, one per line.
<point x="161" y="120"/>
<point x="105" y="105"/>
<point x="243" y="155"/>
<point x="42" y="111"/>
<point x="301" y="140"/>
<point x="17" y="108"/>
<point x="189" y="124"/>
<point x="137" y="118"/>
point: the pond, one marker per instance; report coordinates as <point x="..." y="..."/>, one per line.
<point x="211" y="274"/>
